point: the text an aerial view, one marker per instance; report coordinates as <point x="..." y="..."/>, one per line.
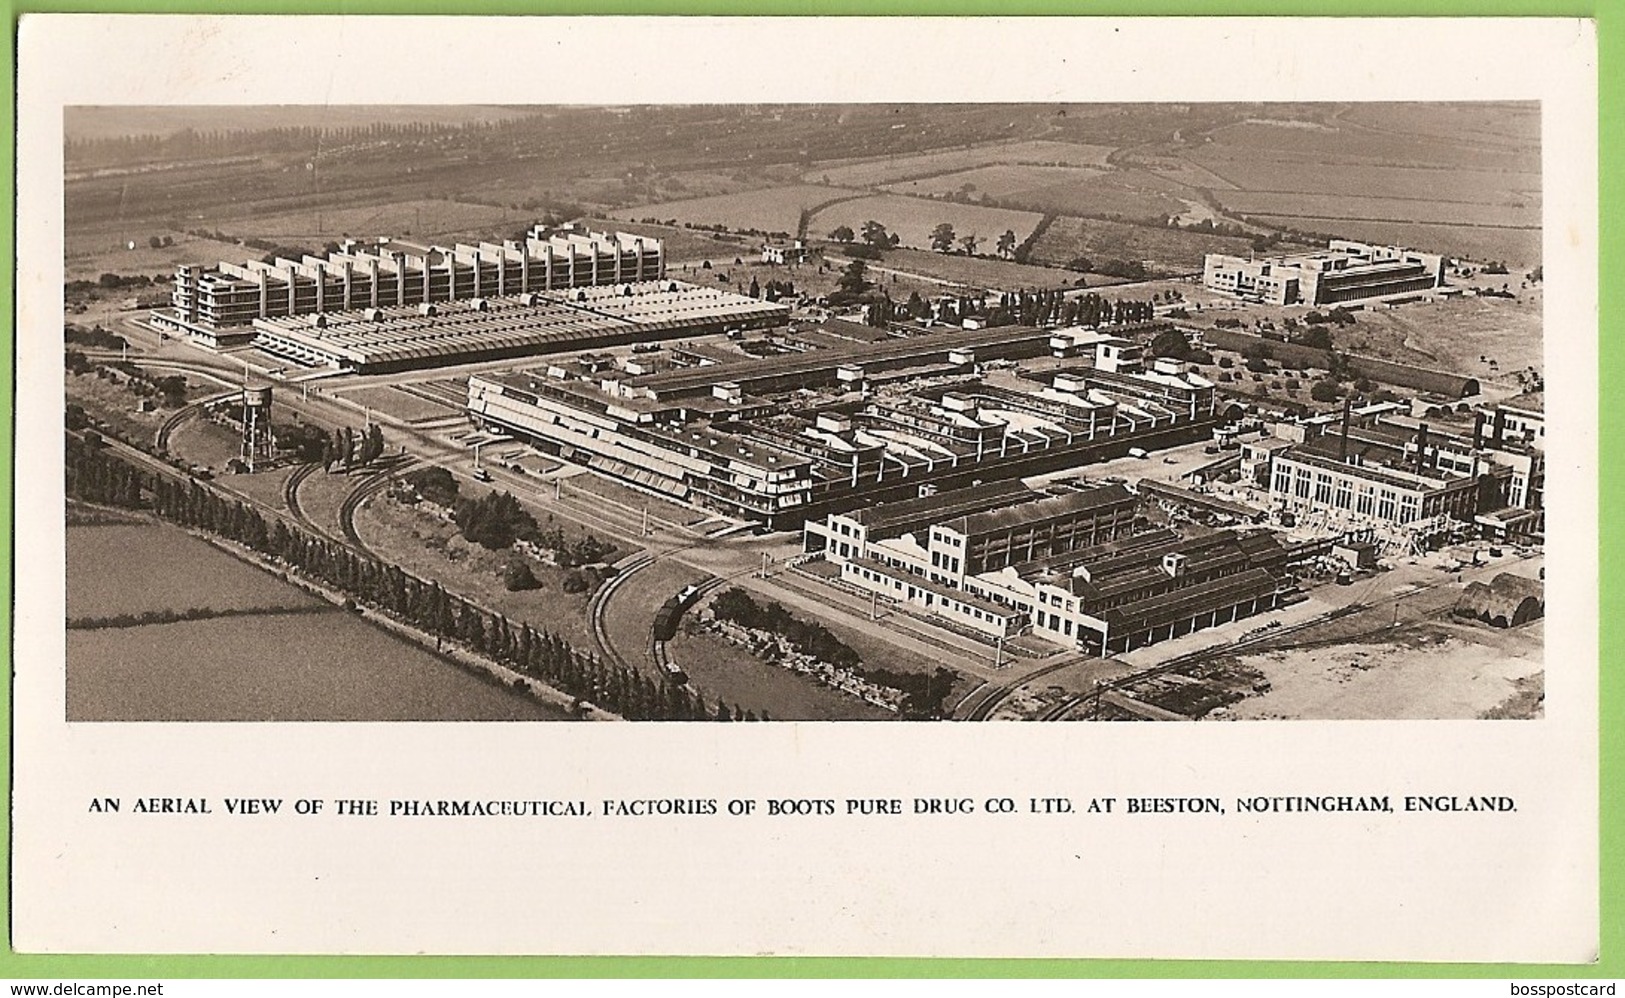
<point x="1085" y="412"/>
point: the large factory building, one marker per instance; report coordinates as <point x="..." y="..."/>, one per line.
<point x="790" y="439"/>
<point x="218" y="306"/>
<point x="1414" y="482"/>
<point x="1001" y="559"/>
<point x="1346" y="271"/>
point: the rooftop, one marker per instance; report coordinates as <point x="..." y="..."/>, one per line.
<point x="907" y="514"/>
<point x="1037" y="510"/>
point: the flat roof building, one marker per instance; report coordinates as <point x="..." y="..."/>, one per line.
<point x="1347" y="271"/>
<point x="218" y="305"/>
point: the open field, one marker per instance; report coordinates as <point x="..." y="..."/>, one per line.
<point x="1461" y="179"/>
<point x="1381" y="208"/>
<point x="1435" y="669"/>
<point x="394" y="402"/>
<point x="975" y="272"/>
<point x="104" y="250"/>
<point x="200" y="441"/>
<point x="772" y="209"/>
<point x="685" y="244"/>
<point x="1060" y="189"/>
<point x="1161" y="249"/>
<point x="90" y="122"/>
<point x="115" y="405"/>
<point x="1517" y="247"/>
<point x="876" y="172"/>
<point x="1453" y="334"/>
<point x="912" y="219"/>
<point x="261" y="667"/>
<point x="422" y="218"/>
<point x="176" y="572"/>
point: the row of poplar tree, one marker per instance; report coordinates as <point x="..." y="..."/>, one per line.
<point x="95" y="475"/>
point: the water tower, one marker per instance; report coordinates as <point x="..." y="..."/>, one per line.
<point x="258" y="445"/>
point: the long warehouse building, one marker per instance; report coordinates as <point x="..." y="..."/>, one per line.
<point x="481" y="329"/>
<point x="706" y="436"/>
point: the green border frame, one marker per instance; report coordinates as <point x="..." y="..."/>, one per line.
<point x="1610" y="17"/>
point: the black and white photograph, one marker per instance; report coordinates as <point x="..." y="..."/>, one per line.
<point x="426" y="377"/>
<point x="1045" y="412"/>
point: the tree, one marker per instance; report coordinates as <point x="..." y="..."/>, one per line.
<point x="1325" y="390"/>
<point x="970" y="243"/>
<point x="853" y="280"/>
<point x="517" y="576"/>
<point x="1007" y="242"/>
<point x="1317" y="336"/>
<point x="942" y="237"/>
<point x="755" y="288"/>
<point x="1170" y="343"/>
<point x="876" y="235"/>
<point x="842" y="234"/>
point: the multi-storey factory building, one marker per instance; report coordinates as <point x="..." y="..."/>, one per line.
<point x="1000" y="560"/>
<point x="1415" y="481"/>
<point x="1346" y="271"/>
<point x="218" y="305"/>
<point x="893" y="420"/>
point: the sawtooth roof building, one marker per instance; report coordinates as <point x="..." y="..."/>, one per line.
<point x="481" y="329"/>
<point x="743" y="438"/>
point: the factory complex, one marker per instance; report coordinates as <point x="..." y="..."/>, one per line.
<point x="790" y="439"/>
<point x="1345" y="272"/>
<point x="1071" y="567"/>
<point x="392" y="306"/>
<point x="1414" y="483"/>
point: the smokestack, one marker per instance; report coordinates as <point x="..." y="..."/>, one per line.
<point x="1343" y="444"/>
<point x="1500" y="426"/>
<point x="1478" y="430"/>
<point x="1421" y="448"/>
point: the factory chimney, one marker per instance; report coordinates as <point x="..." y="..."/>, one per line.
<point x="1343" y="444"/>
<point x="1421" y="448"/>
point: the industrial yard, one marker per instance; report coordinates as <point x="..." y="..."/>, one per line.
<point x="713" y="456"/>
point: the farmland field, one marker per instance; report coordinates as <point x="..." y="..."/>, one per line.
<point x="1518" y="247"/>
<point x="773" y="209"/>
<point x="1162" y="249"/>
<point x="913" y="218"/>
<point x="91" y="122"/>
<point x="1060" y="189"/>
<point x="1462" y="179"/>
<point x="1397" y="209"/>
<point x="104" y="250"/>
<point x="876" y="172"/>
<point x="263" y="666"/>
<point x="976" y="272"/>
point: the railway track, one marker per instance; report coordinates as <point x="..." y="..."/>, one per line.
<point x="369" y="487"/>
<point x="290" y="497"/>
<point x="160" y="439"/>
<point x="595" y="607"/>
<point x="998" y="693"/>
